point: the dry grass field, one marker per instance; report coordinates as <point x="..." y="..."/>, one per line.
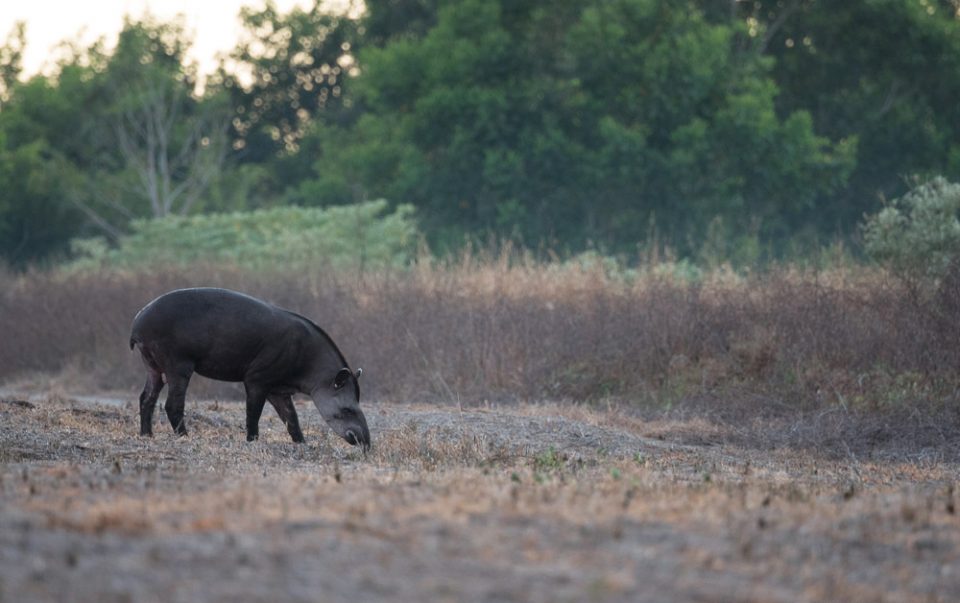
<point x="786" y="436"/>
<point x="535" y="502"/>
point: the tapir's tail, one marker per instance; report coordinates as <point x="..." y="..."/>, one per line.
<point x="133" y="342"/>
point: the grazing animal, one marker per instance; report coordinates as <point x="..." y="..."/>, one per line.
<point x="230" y="336"/>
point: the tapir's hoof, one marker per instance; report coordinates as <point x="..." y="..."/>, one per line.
<point x="252" y="437"/>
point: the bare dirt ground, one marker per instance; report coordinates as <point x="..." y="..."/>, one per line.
<point x="526" y="503"/>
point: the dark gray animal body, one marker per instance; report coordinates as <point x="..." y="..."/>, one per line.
<point x="230" y="336"/>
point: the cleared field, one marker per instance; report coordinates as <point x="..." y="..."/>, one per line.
<point x="519" y="503"/>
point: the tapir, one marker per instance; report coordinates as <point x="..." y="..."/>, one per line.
<point x="229" y="336"/>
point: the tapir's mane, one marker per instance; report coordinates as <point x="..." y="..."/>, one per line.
<point x="316" y="327"/>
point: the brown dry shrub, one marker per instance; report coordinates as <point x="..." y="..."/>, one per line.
<point x="509" y="328"/>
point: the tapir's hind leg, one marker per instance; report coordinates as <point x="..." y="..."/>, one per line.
<point x="256" y="398"/>
<point x="288" y="414"/>
<point x="177" y="379"/>
<point x="151" y="390"/>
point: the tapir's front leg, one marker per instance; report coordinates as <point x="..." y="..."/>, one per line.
<point x="256" y="398"/>
<point x="288" y="414"/>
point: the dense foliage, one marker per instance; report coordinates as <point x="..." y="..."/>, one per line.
<point x="357" y="236"/>
<point x="586" y="123"/>
<point x="767" y="124"/>
<point x="918" y="235"/>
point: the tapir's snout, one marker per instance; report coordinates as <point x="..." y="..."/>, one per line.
<point x="359" y="437"/>
<point x="351" y="425"/>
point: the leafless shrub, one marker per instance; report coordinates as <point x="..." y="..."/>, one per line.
<point x="510" y="328"/>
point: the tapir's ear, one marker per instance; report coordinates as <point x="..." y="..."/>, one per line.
<point x="343" y="376"/>
<point x="359" y="372"/>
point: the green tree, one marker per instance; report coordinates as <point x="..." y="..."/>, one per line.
<point x="298" y="64"/>
<point x="109" y="137"/>
<point x="571" y="123"/>
<point x="694" y="120"/>
<point x="882" y="74"/>
<point x="171" y="143"/>
<point x="43" y="144"/>
<point x="387" y="20"/>
<point x="11" y="59"/>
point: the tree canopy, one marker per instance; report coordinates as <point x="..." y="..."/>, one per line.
<point x="768" y="123"/>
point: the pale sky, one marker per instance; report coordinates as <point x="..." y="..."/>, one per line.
<point x="213" y="24"/>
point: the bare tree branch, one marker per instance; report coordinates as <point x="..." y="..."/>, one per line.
<point x="109" y="229"/>
<point x="895" y="94"/>
<point x="175" y="155"/>
<point x="213" y="148"/>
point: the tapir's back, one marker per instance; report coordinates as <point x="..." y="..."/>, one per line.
<point x="218" y="331"/>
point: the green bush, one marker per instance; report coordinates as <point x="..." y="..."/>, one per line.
<point x="360" y="235"/>
<point x="918" y="235"/>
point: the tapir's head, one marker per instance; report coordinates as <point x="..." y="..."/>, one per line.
<point x="339" y="403"/>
